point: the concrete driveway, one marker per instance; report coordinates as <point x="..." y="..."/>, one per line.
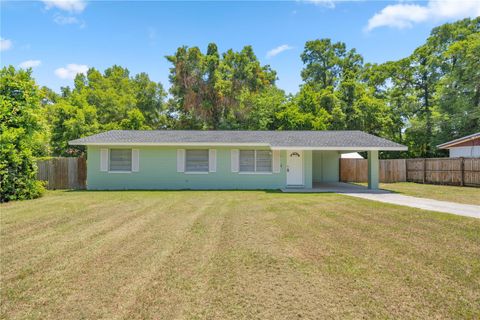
<point x="460" y="209"/>
<point x="353" y="190"/>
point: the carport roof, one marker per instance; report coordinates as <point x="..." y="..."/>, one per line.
<point x="307" y="140"/>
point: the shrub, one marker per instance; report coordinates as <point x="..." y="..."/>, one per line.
<point x="20" y="121"/>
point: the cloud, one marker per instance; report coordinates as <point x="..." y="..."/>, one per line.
<point x="30" y="64"/>
<point x="71" y="70"/>
<point x="72" y="6"/>
<point x="404" y="15"/>
<point x="275" y="51"/>
<point x="5" y="44"/>
<point x="325" y="3"/>
<point x="330" y="4"/>
<point x="64" y="20"/>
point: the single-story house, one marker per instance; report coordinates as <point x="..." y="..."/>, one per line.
<point x="467" y="147"/>
<point x="171" y="159"/>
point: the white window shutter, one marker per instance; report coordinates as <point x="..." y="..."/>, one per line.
<point x="180" y="160"/>
<point x="235" y="154"/>
<point x="212" y="160"/>
<point x="276" y="161"/>
<point x="103" y="159"/>
<point x="135" y="160"/>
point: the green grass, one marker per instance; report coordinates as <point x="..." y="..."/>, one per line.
<point x="468" y="195"/>
<point x="234" y="255"/>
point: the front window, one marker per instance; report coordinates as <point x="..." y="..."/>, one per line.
<point x="264" y="161"/>
<point x="196" y="161"/>
<point x="120" y="160"/>
<point x="255" y="161"/>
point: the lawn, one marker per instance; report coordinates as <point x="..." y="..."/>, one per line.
<point x="468" y="195"/>
<point x="234" y="254"/>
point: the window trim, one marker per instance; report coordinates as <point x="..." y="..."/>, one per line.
<point x="120" y="171"/>
<point x="254" y="172"/>
<point x="255" y="162"/>
<point x="196" y="172"/>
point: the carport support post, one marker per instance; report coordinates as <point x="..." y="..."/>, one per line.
<point x="373" y="169"/>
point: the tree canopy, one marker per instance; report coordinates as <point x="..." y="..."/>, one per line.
<point x="22" y="132"/>
<point x="209" y="90"/>
<point x="99" y="102"/>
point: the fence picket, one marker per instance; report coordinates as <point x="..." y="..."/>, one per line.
<point x="450" y="171"/>
<point x="63" y="173"/>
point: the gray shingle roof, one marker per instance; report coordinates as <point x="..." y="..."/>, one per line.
<point x="348" y="140"/>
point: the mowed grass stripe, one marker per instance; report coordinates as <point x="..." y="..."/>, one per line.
<point x="234" y="254"/>
<point x="358" y="239"/>
<point x="81" y="252"/>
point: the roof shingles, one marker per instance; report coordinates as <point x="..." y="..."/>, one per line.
<point x="274" y="139"/>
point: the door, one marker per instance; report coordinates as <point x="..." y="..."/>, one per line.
<point x="294" y="168"/>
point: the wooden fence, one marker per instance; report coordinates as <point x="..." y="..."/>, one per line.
<point x="63" y="173"/>
<point x="356" y="170"/>
<point x="451" y="171"/>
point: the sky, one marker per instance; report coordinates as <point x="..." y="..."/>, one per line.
<point x="60" y="38"/>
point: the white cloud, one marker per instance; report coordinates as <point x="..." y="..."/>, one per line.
<point x="275" y="51"/>
<point x="30" y="64"/>
<point x="66" y="5"/>
<point x="64" y="20"/>
<point x="330" y="4"/>
<point x="5" y="44"/>
<point x="403" y="15"/>
<point x="325" y="3"/>
<point x="59" y="19"/>
<point x="71" y="70"/>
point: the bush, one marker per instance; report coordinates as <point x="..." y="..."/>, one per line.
<point x="18" y="170"/>
<point x="20" y="121"/>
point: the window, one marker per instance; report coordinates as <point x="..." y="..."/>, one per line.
<point x="120" y="160"/>
<point x="247" y="161"/>
<point x="255" y="161"/>
<point x="196" y="161"/>
<point x="264" y="161"/>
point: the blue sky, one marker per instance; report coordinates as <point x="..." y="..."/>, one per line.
<point x="61" y="37"/>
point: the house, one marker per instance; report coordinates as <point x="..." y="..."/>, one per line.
<point x="467" y="147"/>
<point x="169" y="159"/>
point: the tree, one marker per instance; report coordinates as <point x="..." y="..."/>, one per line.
<point x="261" y="108"/>
<point x="323" y="62"/>
<point x="20" y="123"/>
<point x="433" y="90"/>
<point x="149" y="98"/>
<point x="71" y="120"/>
<point x="208" y="89"/>
<point x="99" y="102"/>
<point x="336" y="91"/>
<point x="134" y="121"/>
<point x="459" y="90"/>
<point x="290" y="117"/>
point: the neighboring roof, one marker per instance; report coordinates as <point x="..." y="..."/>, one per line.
<point x="449" y="144"/>
<point x="326" y="140"/>
<point x="351" y="155"/>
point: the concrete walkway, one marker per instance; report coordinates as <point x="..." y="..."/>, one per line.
<point x="358" y="191"/>
<point x="466" y="210"/>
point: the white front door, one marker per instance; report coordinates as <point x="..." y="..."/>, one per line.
<point x="294" y="168"/>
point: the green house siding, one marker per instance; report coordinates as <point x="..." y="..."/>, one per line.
<point x="158" y="170"/>
<point x="307" y="168"/>
<point x="325" y="166"/>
